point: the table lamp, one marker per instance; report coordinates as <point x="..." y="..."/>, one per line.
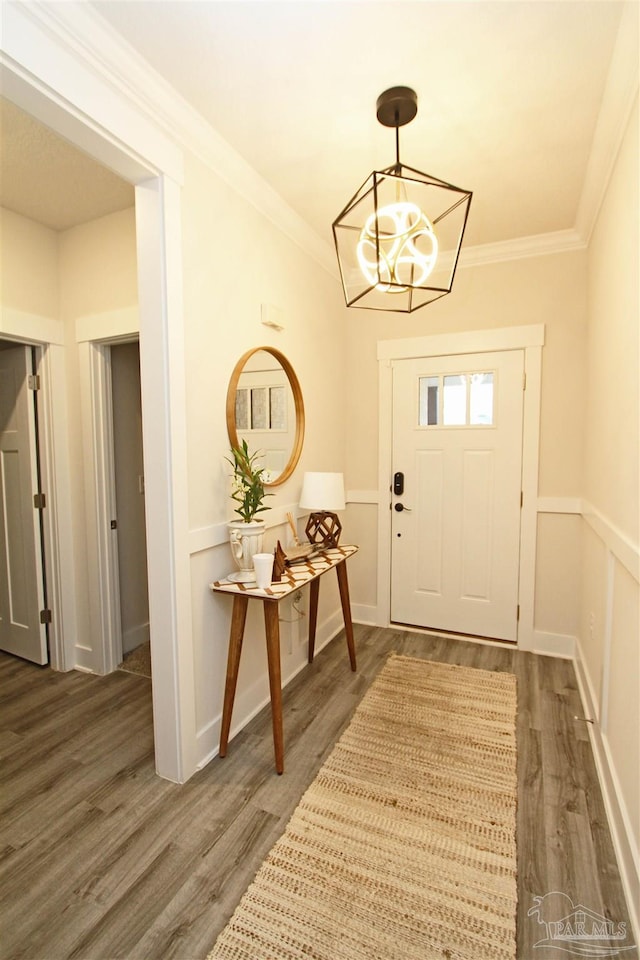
<point x="323" y="494"/>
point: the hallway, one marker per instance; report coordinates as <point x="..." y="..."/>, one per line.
<point x="102" y="859"/>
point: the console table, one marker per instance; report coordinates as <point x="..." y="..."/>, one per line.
<point x="296" y="576"/>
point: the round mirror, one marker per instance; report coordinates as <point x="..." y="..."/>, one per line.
<point x="265" y="408"/>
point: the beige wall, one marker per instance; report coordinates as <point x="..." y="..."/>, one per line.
<point x="558" y="575"/>
<point x="334" y="353"/>
<point x="546" y="289"/>
<point x="52" y="284"/>
<point x="611" y="464"/>
<point x="97" y="280"/>
<point x="129" y="468"/>
<point x="98" y="273"/>
<point x="234" y="260"/>
<point x="609" y="652"/>
<point x="84" y="272"/>
<point x="29" y="259"/>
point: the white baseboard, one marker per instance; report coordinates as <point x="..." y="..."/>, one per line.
<point x="250" y="701"/>
<point x="364" y="613"/>
<point x="135" y="636"/>
<point x="619" y="823"/>
<point x="83" y="659"/>
<point x="542" y="642"/>
<point x="548" y="644"/>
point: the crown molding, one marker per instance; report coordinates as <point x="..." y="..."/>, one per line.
<point x="45" y="70"/>
<point x="538" y="245"/>
<point x="105" y="52"/>
<point x="620" y="93"/>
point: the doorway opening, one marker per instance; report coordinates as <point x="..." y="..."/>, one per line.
<point x="102" y="122"/>
<point x="128" y="469"/>
<point x="114" y="486"/>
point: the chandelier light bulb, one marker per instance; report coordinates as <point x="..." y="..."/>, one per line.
<point x="406" y="250"/>
<point x="385" y="237"/>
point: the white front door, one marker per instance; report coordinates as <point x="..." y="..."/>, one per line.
<point x="21" y="585"/>
<point x="457" y="456"/>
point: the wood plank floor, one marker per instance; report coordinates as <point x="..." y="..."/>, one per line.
<point x="100" y="859"/>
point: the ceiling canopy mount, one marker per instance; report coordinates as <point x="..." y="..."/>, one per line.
<point x="397" y="106"/>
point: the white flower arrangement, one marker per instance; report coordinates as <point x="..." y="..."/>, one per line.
<point x="247" y="483"/>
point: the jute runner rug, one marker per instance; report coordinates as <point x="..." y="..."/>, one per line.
<point x="403" y="847"/>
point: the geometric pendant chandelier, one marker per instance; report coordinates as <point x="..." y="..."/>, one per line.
<point x="398" y="239"/>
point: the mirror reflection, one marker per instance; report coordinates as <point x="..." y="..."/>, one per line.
<point x="264" y="407"/>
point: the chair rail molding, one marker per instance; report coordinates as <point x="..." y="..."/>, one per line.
<point x="618" y="543"/>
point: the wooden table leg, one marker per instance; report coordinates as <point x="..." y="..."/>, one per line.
<point x="272" y="629"/>
<point x="238" y="618"/>
<point x="343" y="584"/>
<point x="314" y="589"/>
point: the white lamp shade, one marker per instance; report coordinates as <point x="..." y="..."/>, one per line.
<point x="322" y="491"/>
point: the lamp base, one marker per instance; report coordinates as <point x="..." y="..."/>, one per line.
<point x="323" y="529"/>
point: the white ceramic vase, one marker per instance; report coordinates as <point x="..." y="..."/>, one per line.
<point x="245" y="540"/>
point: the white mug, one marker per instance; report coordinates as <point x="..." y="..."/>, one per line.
<point x="263" y="568"/>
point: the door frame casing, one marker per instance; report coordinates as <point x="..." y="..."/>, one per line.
<point x="531" y="340"/>
<point x="100" y="496"/>
<point x="37" y="467"/>
<point x="63" y="84"/>
<point x="36" y="477"/>
<point x="100" y="503"/>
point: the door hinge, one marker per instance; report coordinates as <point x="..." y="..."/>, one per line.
<point x="518" y="612"/>
<point x="33" y="381"/>
<point x="39" y="501"/>
<point x="114" y="524"/>
<point x="521" y="498"/>
<point x="524" y="381"/>
<point x="45" y="616"/>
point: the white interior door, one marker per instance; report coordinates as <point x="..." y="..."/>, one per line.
<point x="457" y="441"/>
<point x="21" y="585"/>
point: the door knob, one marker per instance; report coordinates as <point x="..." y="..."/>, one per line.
<point x="399" y="507"/>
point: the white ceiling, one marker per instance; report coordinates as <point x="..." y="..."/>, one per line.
<point x="47" y="180"/>
<point x="509" y="96"/>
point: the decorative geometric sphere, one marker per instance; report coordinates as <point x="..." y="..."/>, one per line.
<point x="386" y="242"/>
<point x="324" y="529"/>
<point x="406" y="251"/>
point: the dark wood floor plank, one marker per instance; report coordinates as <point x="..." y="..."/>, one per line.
<point x="212" y="890"/>
<point x="100" y="859"/>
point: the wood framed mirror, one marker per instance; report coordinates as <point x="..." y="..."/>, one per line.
<point x="265" y="408"/>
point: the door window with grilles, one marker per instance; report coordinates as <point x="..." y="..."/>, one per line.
<point x="456" y="400"/>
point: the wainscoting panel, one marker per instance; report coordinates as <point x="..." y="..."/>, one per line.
<point x="607" y="668"/>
